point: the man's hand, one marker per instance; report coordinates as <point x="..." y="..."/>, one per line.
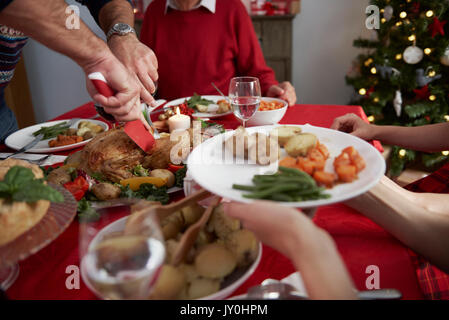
<point x="284" y="91"/>
<point x="125" y="104"/>
<point x="139" y="60"/>
<point x="353" y="124"/>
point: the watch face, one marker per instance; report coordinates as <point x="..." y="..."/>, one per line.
<point x="122" y="28"/>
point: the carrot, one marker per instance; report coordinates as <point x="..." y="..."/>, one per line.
<point x="325" y="178"/>
<point x="346" y="173"/>
<point x="306" y="165"/>
<point x="359" y="163"/>
<point x="315" y="155"/>
<point x="350" y="151"/>
<point x="342" y="160"/>
<point x="319" y="164"/>
<point x="323" y="149"/>
<point x="288" y="162"/>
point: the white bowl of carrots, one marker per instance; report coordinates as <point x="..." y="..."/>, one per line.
<point x="271" y="111"/>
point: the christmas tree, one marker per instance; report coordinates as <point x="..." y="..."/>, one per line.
<point x="402" y="78"/>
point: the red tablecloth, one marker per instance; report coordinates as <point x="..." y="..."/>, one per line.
<point x="360" y="242"/>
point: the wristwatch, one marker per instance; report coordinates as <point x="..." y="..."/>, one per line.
<point x="121" y="29"/>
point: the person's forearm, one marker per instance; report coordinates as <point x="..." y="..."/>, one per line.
<point x="322" y="269"/>
<point x="430" y="138"/>
<point x="396" y="209"/>
<point x="116" y="11"/>
<point x="45" y="21"/>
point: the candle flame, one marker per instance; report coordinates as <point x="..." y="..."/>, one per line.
<point x="177" y="111"/>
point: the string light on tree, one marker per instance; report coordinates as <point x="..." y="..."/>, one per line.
<point x="373" y="70"/>
<point x="399" y="56"/>
<point x="402" y="153"/>
<point x="371" y="119"/>
<point x="403" y="15"/>
<point x="412" y="38"/>
<point x="446" y="117"/>
<point x="432" y="97"/>
<point x="368" y="62"/>
<point x="362" y="91"/>
<point x="429" y="14"/>
<point x="427" y="51"/>
<point x="445" y="153"/>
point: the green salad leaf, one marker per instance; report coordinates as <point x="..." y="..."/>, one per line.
<point x="20" y="184"/>
<point x="140" y="171"/>
<point x="85" y="211"/>
<point x="148" y="192"/>
<point x="197" y="99"/>
<point x="179" y="177"/>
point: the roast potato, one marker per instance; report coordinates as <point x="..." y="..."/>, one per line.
<point x="164" y="174"/>
<point x="244" y="245"/>
<point x="59" y="176"/>
<point x="169" y="284"/>
<point x="284" y="133"/>
<point x="263" y="150"/>
<point x="238" y="144"/>
<point x="300" y="144"/>
<point x="106" y="191"/>
<point x="222" y="224"/>
<point x="201" y="287"/>
<point x="214" y="261"/>
<point x="172" y="225"/>
<point x="192" y="214"/>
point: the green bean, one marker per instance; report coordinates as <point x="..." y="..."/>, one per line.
<point x="244" y="188"/>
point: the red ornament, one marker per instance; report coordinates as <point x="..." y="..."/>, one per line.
<point x="422" y="93"/>
<point x="437" y="27"/>
<point x="369" y="91"/>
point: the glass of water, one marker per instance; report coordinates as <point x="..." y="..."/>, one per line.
<point x="121" y="258"/>
<point x="244" y="96"/>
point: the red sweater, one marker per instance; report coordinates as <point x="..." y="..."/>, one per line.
<point x="195" y="48"/>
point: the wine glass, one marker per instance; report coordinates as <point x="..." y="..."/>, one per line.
<point x="244" y="96"/>
<point x="121" y="258"/>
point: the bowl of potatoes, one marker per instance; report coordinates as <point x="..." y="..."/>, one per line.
<point x="223" y="257"/>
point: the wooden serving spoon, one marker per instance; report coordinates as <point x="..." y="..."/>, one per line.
<point x="135" y="220"/>
<point x="190" y="235"/>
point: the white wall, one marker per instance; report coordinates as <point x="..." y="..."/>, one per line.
<point x="322" y="48"/>
<point x="323" y="53"/>
<point x="57" y="84"/>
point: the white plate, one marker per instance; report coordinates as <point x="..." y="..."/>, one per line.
<point x="20" y="138"/>
<point x="209" y="170"/>
<point x="229" y="285"/>
<point x="199" y="114"/>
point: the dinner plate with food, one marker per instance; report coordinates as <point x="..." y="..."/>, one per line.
<point x="296" y="165"/>
<point x="58" y="135"/>
<point x="207" y="106"/>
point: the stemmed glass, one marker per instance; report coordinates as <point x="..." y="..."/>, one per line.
<point x="121" y="258"/>
<point x="244" y="96"/>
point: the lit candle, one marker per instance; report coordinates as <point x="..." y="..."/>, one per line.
<point x="179" y="122"/>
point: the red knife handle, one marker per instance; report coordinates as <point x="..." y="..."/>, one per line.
<point x="100" y="83"/>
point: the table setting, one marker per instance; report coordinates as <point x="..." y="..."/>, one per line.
<point x="150" y="226"/>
